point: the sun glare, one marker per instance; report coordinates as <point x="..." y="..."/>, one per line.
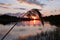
<point x="33" y="17"/>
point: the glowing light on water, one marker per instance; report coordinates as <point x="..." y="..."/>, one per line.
<point x="35" y="22"/>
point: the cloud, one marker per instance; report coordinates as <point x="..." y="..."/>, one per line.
<point x="3" y="4"/>
<point x="3" y="7"/>
<point x="33" y="4"/>
<point x="20" y="8"/>
<point x="11" y="10"/>
<point x="16" y="8"/>
<point x="51" y="0"/>
<point x="30" y="1"/>
<point x="8" y="8"/>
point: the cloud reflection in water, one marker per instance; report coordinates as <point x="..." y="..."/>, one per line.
<point x="25" y="29"/>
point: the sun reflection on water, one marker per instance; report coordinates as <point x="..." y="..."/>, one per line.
<point x="30" y="23"/>
<point x="35" y="22"/>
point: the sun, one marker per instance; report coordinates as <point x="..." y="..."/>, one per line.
<point x="33" y="17"/>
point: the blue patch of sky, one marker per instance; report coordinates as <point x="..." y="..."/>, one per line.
<point x="53" y="4"/>
<point x="8" y="1"/>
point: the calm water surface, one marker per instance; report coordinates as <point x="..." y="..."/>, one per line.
<point x="26" y="29"/>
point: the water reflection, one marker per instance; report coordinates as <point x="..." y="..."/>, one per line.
<point x="35" y="22"/>
<point x="30" y="23"/>
<point x="27" y="30"/>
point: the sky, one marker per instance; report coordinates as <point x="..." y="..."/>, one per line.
<point x="49" y="7"/>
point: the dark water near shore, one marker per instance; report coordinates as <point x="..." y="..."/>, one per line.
<point x="30" y="30"/>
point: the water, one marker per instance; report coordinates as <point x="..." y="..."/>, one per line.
<point x="29" y="30"/>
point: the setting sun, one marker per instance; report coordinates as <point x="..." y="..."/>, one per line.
<point x="34" y="17"/>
